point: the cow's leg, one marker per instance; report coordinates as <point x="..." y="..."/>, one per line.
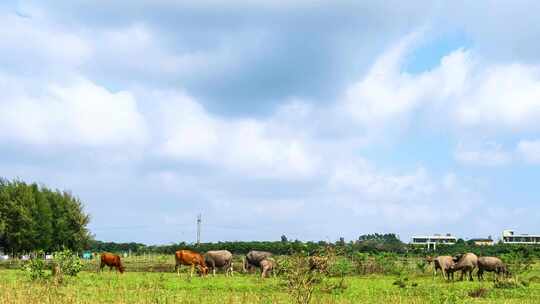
<point x="470" y="275"/>
<point x="177" y="269"/>
<point x="192" y="269"/>
<point x="443" y="273"/>
<point x="231" y="270"/>
<point x="480" y="274"/>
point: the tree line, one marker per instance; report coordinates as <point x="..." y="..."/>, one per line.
<point x="34" y="217"/>
<point x="373" y="244"/>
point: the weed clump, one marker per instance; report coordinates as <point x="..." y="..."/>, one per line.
<point x="479" y="293"/>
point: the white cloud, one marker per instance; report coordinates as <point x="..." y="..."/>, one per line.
<point x="189" y="133"/>
<point x="389" y="96"/>
<point x="529" y="150"/>
<point x="78" y="113"/>
<point x="461" y="92"/>
<point x="502" y="97"/>
<point x="485" y="154"/>
<point x="413" y="198"/>
<point x="32" y="44"/>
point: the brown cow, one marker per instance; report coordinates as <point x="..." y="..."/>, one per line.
<point x="111" y="260"/>
<point x="190" y="258"/>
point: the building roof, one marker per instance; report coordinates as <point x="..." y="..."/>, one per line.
<point x="435" y="236"/>
<point x="512" y="233"/>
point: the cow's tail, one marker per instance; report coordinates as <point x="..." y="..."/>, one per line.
<point x="244" y="267"/>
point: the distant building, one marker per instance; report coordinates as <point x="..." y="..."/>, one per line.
<point x="434" y="240"/>
<point x="510" y="237"/>
<point x="482" y="242"/>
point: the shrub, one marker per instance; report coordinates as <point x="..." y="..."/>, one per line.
<point x="68" y="262"/>
<point x="517" y="263"/>
<point x="421" y="266"/>
<point x="300" y="281"/>
<point x="35" y="267"/>
<point x="361" y="262"/>
<point x="340" y="267"/>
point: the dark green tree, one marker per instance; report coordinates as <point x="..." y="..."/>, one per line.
<point x="33" y="217"/>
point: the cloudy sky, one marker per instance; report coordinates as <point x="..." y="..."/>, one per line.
<point x="311" y="119"/>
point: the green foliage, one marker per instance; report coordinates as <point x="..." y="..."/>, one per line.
<point x="374" y="243"/>
<point x="518" y="263"/>
<point x="361" y="262"/>
<point x="388" y="263"/>
<point x="421" y="266"/>
<point x="68" y="262"/>
<point x="299" y="280"/>
<point x="34" y="217"/>
<point x="340" y="267"/>
<point x="35" y="267"/>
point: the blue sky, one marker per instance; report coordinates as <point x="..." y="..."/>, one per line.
<point x="311" y="119"/>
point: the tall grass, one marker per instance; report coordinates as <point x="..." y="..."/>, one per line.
<point x="167" y="287"/>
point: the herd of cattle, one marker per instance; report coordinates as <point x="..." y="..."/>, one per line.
<point x="211" y="260"/>
<point x="223" y="259"/>
<point x="467" y="263"/>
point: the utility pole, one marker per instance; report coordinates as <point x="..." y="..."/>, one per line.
<point x="199" y="220"/>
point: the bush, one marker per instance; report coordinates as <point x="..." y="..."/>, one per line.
<point x="64" y="263"/>
<point x="35" y="267"/>
<point x="300" y="281"/>
<point x="68" y="263"/>
<point x="361" y="262"/>
<point x="518" y="263"/>
<point x="340" y="267"/>
<point x="421" y="266"/>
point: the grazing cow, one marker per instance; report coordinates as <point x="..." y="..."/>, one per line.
<point x="219" y="259"/>
<point x="111" y="260"/>
<point x="267" y="267"/>
<point x="491" y="264"/>
<point x="190" y="258"/>
<point x="254" y="258"/>
<point x="444" y="264"/>
<point x="466" y="263"/>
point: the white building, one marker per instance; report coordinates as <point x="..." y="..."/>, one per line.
<point x="434" y="240"/>
<point x="510" y="237"/>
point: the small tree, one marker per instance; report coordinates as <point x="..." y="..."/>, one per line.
<point x="300" y="281"/>
<point x="35" y="267"/>
<point x="65" y="262"/>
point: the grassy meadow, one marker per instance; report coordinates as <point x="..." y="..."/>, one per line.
<point x="167" y="287"/>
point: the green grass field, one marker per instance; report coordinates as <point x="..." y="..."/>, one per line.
<point x="146" y="287"/>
